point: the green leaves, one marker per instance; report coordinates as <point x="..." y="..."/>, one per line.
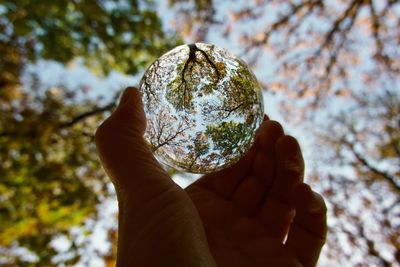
<point x="50" y="177"/>
<point x="230" y="137"/>
<point x="124" y="36"/>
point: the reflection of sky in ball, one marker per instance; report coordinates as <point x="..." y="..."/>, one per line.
<point x="203" y="106"/>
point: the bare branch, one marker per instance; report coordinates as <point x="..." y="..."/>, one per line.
<point x="391" y="180"/>
<point x="369" y="242"/>
<point x="386" y="176"/>
<point x="79" y="118"/>
<point x="350" y="13"/>
<point x="86" y="115"/>
<point x="285" y="19"/>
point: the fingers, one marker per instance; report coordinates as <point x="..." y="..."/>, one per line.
<point x="251" y="191"/>
<point x="277" y="213"/>
<point x="124" y="154"/>
<point x="227" y="181"/>
<point x="130" y="111"/>
<point x="308" y="231"/>
<point x="290" y="167"/>
<point x="224" y="182"/>
<point x="263" y="167"/>
<point x="248" y="195"/>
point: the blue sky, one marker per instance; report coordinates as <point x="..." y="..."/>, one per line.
<point x="76" y="75"/>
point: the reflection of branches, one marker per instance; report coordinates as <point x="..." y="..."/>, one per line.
<point x="195" y="48"/>
<point x="183" y="85"/>
<point x="151" y="76"/>
<point x="229" y="111"/>
<point x="163" y="132"/>
<point x="223" y="112"/>
<point x="239" y="97"/>
<point x="230" y="138"/>
<point x="181" y="93"/>
<point x="199" y="148"/>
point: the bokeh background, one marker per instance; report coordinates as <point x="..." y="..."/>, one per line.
<point x="330" y="70"/>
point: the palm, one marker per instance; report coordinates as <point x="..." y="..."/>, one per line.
<point x="237" y="240"/>
<point x="245" y="209"/>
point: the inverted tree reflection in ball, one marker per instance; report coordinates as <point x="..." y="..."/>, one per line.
<point x="203" y="106"/>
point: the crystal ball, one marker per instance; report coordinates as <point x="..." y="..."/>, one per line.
<point x="203" y="106"/>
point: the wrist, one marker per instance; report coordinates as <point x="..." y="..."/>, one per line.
<point x="170" y="235"/>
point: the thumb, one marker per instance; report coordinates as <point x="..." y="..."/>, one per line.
<point x="130" y="112"/>
<point x="125" y="156"/>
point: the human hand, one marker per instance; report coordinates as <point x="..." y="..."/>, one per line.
<point x="235" y="217"/>
<point x="258" y="212"/>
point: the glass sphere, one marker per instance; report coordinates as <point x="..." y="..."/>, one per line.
<point x="203" y="106"/>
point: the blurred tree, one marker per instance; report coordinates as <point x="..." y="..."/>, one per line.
<point x="363" y="183"/>
<point x="194" y="19"/>
<point x="319" y="55"/>
<point x="318" y="47"/>
<point x="50" y="177"/>
<point x="118" y="35"/>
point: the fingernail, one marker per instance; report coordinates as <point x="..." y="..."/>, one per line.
<point x="316" y="204"/>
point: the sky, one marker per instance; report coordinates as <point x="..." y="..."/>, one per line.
<point x="76" y="75"/>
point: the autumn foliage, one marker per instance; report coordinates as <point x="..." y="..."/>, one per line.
<point x="332" y="69"/>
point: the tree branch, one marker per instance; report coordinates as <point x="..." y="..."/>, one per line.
<point x="87" y="114"/>
<point x="369" y="242"/>
<point x="384" y="175"/>
<point x="285" y="19"/>
<point x="350" y="12"/>
<point x="73" y="121"/>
